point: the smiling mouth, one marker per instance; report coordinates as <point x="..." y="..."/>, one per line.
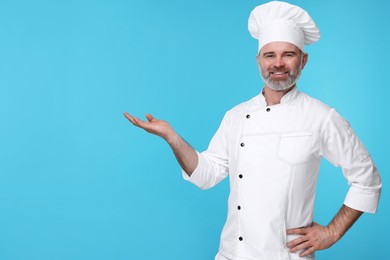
<point x="278" y="73"/>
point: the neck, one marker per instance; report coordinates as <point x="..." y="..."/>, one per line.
<point x="273" y="97"/>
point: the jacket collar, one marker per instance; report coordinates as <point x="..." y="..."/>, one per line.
<point x="288" y="97"/>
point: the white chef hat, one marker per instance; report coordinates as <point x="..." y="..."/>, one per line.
<point x="282" y="22"/>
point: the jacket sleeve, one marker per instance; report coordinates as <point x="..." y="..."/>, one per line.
<point x="341" y="146"/>
<point x="213" y="164"/>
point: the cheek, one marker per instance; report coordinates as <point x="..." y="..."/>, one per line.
<point x="263" y="66"/>
<point x="294" y="66"/>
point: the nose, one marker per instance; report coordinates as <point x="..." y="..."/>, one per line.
<point x="279" y="62"/>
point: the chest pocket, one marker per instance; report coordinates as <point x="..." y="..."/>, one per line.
<point x="293" y="148"/>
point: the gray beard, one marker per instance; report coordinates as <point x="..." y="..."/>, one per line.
<point x="281" y="84"/>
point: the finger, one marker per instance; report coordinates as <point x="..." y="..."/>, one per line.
<point x="307" y="252"/>
<point x="297" y="241"/>
<point x="149" y="117"/>
<point x="297" y="231"/>
<point x="140" y="123"/>
<point x="129" y="117"/>
<point x="304" y="245"/>
<point x="136" y="121"/>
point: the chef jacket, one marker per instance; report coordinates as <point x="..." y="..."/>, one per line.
<point x="272" y="155"/>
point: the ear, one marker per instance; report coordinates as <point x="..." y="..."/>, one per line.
<point x="258" y="58"/>
<point x="305" y="58"/>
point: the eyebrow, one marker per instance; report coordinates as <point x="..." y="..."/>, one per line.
<point x="270" y="52"/>
<point x="286" y="52"/>
<point x="289" y="52"/>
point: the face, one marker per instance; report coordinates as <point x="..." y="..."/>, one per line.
<point x="281" y="64"/>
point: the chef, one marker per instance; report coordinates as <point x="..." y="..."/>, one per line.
<point x="271" y="147"/>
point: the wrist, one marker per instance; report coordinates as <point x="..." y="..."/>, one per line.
<point x="172" y="138"/>
<point x="334" y="233"/>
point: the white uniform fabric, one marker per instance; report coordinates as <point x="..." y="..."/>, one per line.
<point x="272" y="156"/>
<point x="220" y="257"/>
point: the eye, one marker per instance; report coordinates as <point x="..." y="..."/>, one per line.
<point x="269" y="55"/>
<point x="289" y="55"/>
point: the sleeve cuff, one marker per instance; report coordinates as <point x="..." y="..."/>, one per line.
<point x="197" y="177"/>
<point x="362" y="200"/>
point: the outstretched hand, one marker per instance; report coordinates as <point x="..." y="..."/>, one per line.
<point x="153" y="125"/>
<point x="313" y="238"/>
<point x="185" y="154"/>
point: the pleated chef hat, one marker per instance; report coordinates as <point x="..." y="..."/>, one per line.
<point x="282" y="22"/>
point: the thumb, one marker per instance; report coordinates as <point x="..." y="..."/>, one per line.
<point x="150" y="117"/>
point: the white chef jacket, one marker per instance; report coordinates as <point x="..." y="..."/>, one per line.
<point x="272" y="155"/>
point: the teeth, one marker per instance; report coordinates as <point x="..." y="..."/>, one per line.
<point x="279" y="73"/>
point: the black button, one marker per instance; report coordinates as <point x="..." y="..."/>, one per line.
<point x="240" y="176"/>
<point x="242" y="144"/>
<point x="268" y="109"/>
<point x="248" y="116"/>
<point x="239" y="207"/>
<point x="240" y="238"/>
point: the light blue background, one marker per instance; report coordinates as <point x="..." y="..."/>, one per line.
<point x="78" y="181"/>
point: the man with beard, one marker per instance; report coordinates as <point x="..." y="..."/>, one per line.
<point x="271" y="147"/>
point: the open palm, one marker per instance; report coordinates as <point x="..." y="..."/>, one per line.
<point x="154" y="126"/>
